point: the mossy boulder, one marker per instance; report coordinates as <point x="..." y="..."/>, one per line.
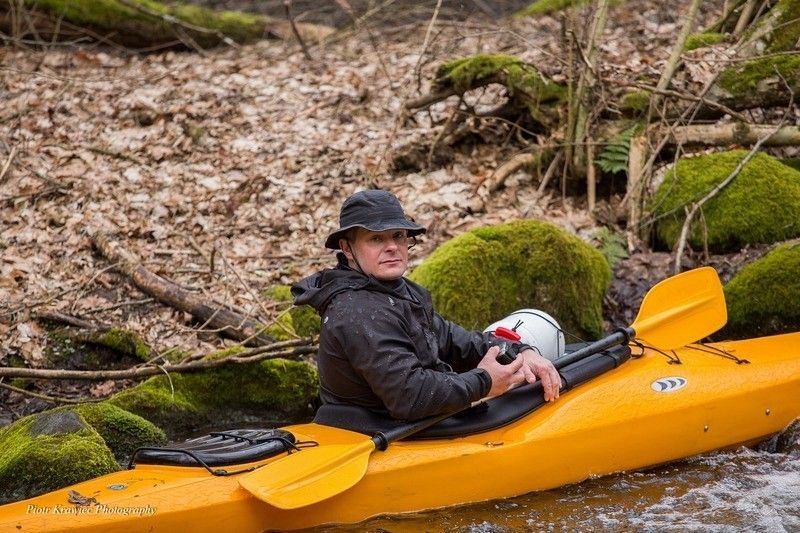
<point x="304" y="319"/>
<point x="270" y="390"/>
<point x="49" y="450"/>
<point x="485" y="274"/>
<point x="764" y="297"/>
<point x="121" y="430"/>
<point x="761" y="205"/>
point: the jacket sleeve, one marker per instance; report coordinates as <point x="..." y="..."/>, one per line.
<point x="379" y="348"/>
<point x="464" y="349"/>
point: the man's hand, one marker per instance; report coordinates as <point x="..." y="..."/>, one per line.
<point x="503" y="376"/>
<point x="534" y="365"/>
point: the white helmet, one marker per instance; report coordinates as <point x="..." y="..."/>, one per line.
<point x="533" y="327"/>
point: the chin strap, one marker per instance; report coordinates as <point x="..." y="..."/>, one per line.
<point x="355" y="259"/>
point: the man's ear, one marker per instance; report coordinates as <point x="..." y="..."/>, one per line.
<point x="344" y="246"/>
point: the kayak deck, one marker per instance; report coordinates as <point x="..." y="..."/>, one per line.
<point x="644" y="413"/>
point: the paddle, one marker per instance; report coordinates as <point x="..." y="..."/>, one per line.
<point x="675" y="312"/>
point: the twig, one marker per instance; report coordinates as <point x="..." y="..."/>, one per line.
<point x="8" y="162"/>
<point x="54" y="316"/>
<point x="287" y="6"/>
<point x="699" y="99"/>
<point x="675" y="56"/>
<point x="45" y="397"/>
<point x="118" y="305"/>
<point x="551" y="170"/>
<point x="418" y="67"/>
<point x="251" y="356"/>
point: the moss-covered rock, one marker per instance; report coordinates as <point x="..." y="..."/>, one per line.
<point x="274" y="389"/>
<point x="485" y="274"/>
<point x="49" y="450"/>
<point x="701" y="40"/>
<point x="122" y="431"/>
<point x="761" y="205"/>
<point x="523" y="81"/>
<point x="304" y="319"/>
<point x="764" y="297"/>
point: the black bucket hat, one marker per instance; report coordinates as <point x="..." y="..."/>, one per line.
<point x="375" y="210"/>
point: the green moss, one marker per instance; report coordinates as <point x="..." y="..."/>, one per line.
<point x="637" y="101"/>
<point x="793" y="162"/>
<point x="225" y="352"/>
<point x="122" y="431"/>
<point x="701" y="40"/>
<point x="49" y="450"/>
<point x="784" y="17"/>
<point x="125" y="21"/>
<point x="487" y="273"/>
<point x="747" y="76"/>
<point x="764" y="297"/>
<point x="68" y="348"/>
<point x="523" y="82"/>
<point x="761" y="205"/>
<point x="277" y="388"/>
<point x="305" y="320"/>
<point x="124" y="341"/>
<point x="462" y="73"/>
<point x="546" y="7"/>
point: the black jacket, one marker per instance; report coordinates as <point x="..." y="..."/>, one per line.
<point x="383" y="347"/>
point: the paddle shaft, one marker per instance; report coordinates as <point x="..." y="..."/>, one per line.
<point x="383" y="438"/>
<point x="618" y="337"/>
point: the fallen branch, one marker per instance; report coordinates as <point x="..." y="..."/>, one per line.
<point x="287" y="6"/>
<point x="497" y="180"/>
<point x="216" y="317"/>
<point x="731" y="133"/>
<point x="272" y="351"/>
<point x="45" y="397"/>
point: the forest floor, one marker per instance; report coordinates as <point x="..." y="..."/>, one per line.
<point x="225" y="171"/>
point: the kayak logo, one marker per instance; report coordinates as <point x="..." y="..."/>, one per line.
<point x="670" y="384"/>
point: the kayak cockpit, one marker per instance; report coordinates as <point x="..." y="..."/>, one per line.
<point x="487" y="416"/>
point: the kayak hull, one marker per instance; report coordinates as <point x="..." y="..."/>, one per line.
<point x="644" y="413"/>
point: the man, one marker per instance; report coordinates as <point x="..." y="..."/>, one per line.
<point x="382" y="345"/>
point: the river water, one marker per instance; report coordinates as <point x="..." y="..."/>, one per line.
<point x="753" y="490"/>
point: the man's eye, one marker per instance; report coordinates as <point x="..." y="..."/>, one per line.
<point x="376" y="239"/>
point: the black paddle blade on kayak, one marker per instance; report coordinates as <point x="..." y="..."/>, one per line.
<point x="675" y="312"/>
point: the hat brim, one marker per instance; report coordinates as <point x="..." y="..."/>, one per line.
<point x="412" y="228"/>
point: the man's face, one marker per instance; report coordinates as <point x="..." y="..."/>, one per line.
<point x="382" y="254"/>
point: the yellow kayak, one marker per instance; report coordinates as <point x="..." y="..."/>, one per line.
<point x="648" y="411"/>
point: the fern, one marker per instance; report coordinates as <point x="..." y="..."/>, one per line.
<point x="614" y="157"/>
<point x="612" y="245"/>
